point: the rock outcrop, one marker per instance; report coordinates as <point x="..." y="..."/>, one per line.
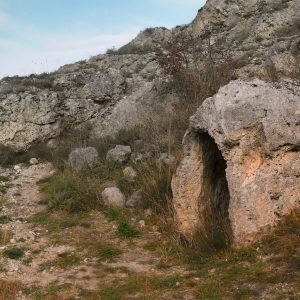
<point x="114" y="90"/>
<point x="261" y="37"/>
<point x="241" y="159"/>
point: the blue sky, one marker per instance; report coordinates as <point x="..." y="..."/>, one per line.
<point x="40" y="35"/>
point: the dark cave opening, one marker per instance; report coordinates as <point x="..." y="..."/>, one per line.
<point x="215" y="194"/>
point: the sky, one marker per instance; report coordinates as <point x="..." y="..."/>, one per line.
<point x="40" y="35"/>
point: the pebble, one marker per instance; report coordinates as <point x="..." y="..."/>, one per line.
<point x="142" y="223"/>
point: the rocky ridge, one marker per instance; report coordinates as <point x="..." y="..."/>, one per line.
<point x="114" y="90"/>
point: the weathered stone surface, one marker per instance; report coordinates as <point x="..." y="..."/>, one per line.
<point x="120" y="154"/>
<point x="255" y="31"/>
<point x="80" y="158"/>
<point x="167" y="159"/>
<point x="113" y="197"/>
<point x="114" y="91"/>
<point x="251" y="131"/>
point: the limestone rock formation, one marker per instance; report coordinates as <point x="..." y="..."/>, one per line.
<point x="262" y="37"/>
<point x="241" y="159"/>
<point x="114" y="90"/>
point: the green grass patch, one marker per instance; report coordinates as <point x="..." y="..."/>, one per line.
<point x="5" y="219"/>
<point x="4" y="179"/>
<point x="58" y="221"/>
<point x="68" y="192"/>
<point x="124" y="228"/>
<point x="107" y="252"/>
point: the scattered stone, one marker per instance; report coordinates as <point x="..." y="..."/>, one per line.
<point x="137" y="157"/>
<point x="113" y="197"/>
<point x="167" y="159"/>
<point x="120" y="154"/>
<point x="33" y="161"/>
<point x="130" y="173"/>
<point x="142" y="223"/>
<point x="135" y="199"/>
<point x="80" y="158"/>
<point x="148" y="212"/>
<point x="18" y="168"/>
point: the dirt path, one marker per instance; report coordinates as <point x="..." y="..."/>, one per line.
<point x="74" y="259"/>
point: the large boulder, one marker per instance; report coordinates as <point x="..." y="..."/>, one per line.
<point x="241" y="160"/>
<point x="80" y="158"/>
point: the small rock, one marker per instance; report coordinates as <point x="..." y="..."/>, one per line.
<point x="142" y="223"/>
<point x="113" y="197"/>
<point x="135" y="199"/>
<point x="130" y="173"/>
<point x="167" y="159"/>
<point x="82" y="157"/>
<point x="33" y="161"/>
<point x="120" y="154"/>
<point x="136" y="157"/>
<point x="148" y="212"/>
<point x="17" y="168"/>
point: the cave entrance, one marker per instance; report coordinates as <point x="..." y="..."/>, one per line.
<point x="215" y="195"/>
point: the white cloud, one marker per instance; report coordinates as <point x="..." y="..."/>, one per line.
<point x="54" y="51"/>
<point x="4" y="19"/>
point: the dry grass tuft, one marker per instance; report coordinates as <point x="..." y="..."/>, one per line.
<point x="9" y="289"/>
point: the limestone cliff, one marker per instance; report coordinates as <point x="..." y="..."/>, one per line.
<point x="111" y="91"/>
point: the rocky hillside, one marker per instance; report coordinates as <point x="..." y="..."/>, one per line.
<point x="114" y="90"/>
<point x="99" y="197"/>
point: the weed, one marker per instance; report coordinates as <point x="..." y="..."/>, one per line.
<point x="124" y="228"/>
<point x="66" y="260"/>
<point x="57" y="221"/>
<point x="126" y="231"/>
<point x="107" y="252"/>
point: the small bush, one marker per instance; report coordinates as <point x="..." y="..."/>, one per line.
<point x="155" y="180"/>
<point x="14" y="253"/>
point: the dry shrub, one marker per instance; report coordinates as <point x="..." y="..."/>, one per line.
<point x="195" y="73"/>
<point x="9" y="289"/>
<point x="284" y="241"/>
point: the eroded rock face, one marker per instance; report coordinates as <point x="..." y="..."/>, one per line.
<point x="254" y="126"/>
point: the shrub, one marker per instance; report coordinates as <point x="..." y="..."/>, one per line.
<point x="155" y="180"/>
<point x="14" y="253"/>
